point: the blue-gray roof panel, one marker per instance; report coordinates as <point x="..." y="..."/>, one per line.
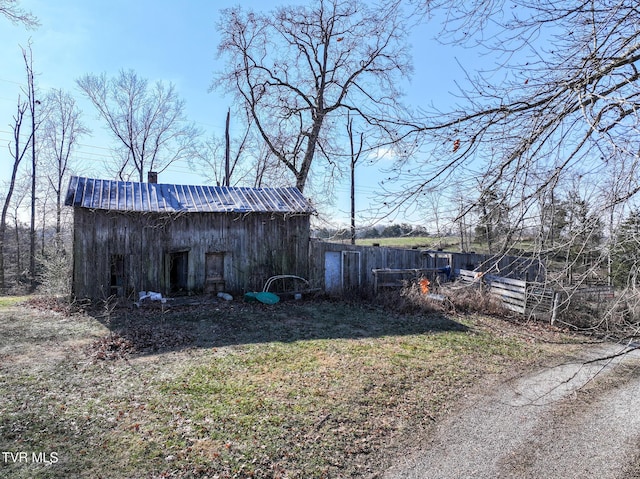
<point x="131" y="196"/>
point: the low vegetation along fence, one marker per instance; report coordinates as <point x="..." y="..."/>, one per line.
<point x="397" y="278"/>
<point x="527" y="298"/>
<point x="532" y="299"/>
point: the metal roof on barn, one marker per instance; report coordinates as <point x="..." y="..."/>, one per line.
<point x="165" y="198"/>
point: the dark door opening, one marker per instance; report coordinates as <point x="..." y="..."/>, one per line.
<point x="178" y="272"/>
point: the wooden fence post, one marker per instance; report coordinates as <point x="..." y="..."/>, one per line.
<point x="554" y="309"/>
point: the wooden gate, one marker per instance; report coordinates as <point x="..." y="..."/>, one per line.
<point x="214" y="272"/>
<point x="527" y="298"/>
<point x="341" y="271"/>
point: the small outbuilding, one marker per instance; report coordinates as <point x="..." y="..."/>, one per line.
<point x="178" y="239"/>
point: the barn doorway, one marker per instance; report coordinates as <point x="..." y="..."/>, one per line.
<point x="178" y="272"/>
<point x="117" y="279"/>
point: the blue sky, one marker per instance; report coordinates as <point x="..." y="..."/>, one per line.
<point x="173" y="42"/>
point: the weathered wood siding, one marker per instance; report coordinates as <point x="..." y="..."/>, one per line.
<point x="370" y="258"/>
<point x="255" y="246"/>
<point x="381" y="257"/>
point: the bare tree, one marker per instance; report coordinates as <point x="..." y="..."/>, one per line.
<point x="552" y="114"/>
<point x="266" y="169"/>
<point x="148" y="122"/>
<point x="61" y="131"/>
<point x="299" y="68"/>
<point x="561" y="99"/>
<point x="34" y="109"/>
<point x="18" y="149"/>
<point x="222" y="158"/>
<point x="249" y="160"/>
<point x="20" y="193"/>
<point x="10" y="9"/>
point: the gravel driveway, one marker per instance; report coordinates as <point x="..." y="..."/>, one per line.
<point x="579" y="419"/>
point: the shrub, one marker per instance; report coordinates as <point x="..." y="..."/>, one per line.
<point x="55" y="273"/>
<point x="473" y="299"/>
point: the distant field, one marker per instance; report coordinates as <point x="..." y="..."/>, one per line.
<point x="447" y="243"/>
<point x="411" y="241"/>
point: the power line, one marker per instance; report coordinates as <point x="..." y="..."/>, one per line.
<point x="13" y="81"/>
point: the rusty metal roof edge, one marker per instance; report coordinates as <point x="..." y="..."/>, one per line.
<point x="168" y="197"/>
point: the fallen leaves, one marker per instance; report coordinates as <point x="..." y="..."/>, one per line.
<point x="53" y="303"/>
<point x="138" y="338"/>
<point x="110" y="348"/>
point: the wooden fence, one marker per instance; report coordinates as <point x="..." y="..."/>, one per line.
<point x="535" y="299"/>
<point x="531" y="299"/>
<point x="396" y="278"/>
<point x="595" y="293"/>
<point x="339" y="268"/>
<point x="518" y="281"/>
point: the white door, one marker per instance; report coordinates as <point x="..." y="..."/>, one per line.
<point x="341" y="271"/>
<point x="333" y="272"/>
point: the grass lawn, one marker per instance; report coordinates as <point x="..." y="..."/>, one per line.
<point x="303" y="389"/>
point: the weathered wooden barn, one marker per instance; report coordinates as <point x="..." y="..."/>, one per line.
<point x="175" y="239"/>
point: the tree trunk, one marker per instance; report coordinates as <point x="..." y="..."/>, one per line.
<point x="17" y="154"/>
<point x="32" y="107"/>
<point x="303" y="172"/>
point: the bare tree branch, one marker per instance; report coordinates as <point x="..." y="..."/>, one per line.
<point x="299" y="68"/>
<point x="147" y="121"/>
<point x="10" y="10"/>
<point x="61" y="130"/>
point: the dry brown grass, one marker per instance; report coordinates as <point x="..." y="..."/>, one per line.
<point x="471" y="299"/>
<point x="448" y="299"/>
